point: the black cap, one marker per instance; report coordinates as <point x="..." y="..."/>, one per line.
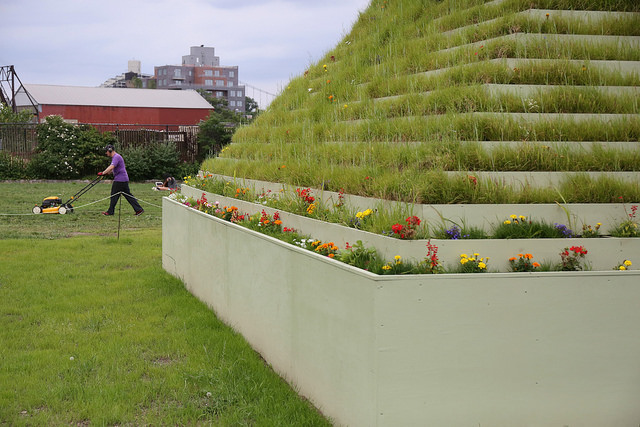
<point x="108" y="148"/>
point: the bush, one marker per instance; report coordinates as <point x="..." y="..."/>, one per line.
<point x="12" y="167"/>
<point x="136" y="160"/>
<point x="163" y="159"/>
<point x="154" y="161"/>
<point x="213" y="136"/>
<point x="67" y="151"/>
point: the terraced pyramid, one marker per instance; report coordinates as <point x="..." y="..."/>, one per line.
<point x="462" y="101"/>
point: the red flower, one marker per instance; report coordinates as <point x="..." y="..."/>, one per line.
<point x="397" y="228"/>
<point x="413" y="221"/>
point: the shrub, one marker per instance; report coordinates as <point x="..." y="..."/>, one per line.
<point x="137" y="163"/>
<point x="67" y="151"/>
<point x="163" y="159"/>
<point x="12" y="167"/>
<point x="154" y="161"/>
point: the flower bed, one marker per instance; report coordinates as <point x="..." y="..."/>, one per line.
<point x="603" y="254"/>
<point x="483" y="217"/>
<point x="408" y="350"/>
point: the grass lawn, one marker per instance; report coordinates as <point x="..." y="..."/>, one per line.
<point x="93" y="331"/>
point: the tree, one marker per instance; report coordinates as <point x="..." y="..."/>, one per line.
<point x="251" y="106"/>
<point x="8" y="116"/>
<point x="217" y="130"/>
<point x="213" y="135"/>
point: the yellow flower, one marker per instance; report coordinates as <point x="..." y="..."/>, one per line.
<point x="507" y="222"/>
<point x="599" y="224"/>
<point x="627" y="263"/>
<point x="476" y="255"/>
<point x="622" y="268"/>
<point x="482" y="265"/>
<point x="463" y="255"/>
<point x="386" y="267"/>
<point x="522" y="218"/>
<point x="397" y="257"/>
<point x="359" y="215"/>
<point x="463" y="261"/>
<point x="513" y="216"/>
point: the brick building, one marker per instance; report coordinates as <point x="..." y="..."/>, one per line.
<point x="201" y="69"/>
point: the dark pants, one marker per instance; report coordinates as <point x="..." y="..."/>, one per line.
<point x="123" y="187"/>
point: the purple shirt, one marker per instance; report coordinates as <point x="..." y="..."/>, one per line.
<point x="119" y="171"/>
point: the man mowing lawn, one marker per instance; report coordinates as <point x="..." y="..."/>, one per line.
<point x="120" y="182"/>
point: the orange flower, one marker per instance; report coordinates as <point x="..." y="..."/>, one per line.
<point x="528" y="256"/>
<point x="277" y="222"/>
<point x="536" y="264"/>
<point x="512" y="258"/>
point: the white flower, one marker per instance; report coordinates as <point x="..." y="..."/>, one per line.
<point x="71" y="358"/>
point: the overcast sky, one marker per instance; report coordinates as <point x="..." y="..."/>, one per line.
<point x="85" y="42"/>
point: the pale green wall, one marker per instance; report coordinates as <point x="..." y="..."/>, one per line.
<point x="498" y="349"/>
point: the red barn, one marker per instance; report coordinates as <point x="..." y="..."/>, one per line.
<point x="115" y="105"/>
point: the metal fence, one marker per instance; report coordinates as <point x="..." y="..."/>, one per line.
<point x="21" y="139"/>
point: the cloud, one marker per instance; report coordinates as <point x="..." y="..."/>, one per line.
<point x="79" y="42"/>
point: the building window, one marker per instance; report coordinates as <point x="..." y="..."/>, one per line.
<point x="177" y="72"/>
<point x="208" y="82"/>
<point x="230" y="84"/>
<point x="208" y="73"/>
<point x="219" y="94"/>
<point x="217" y="73"/>
<point x="177" y="82"/>
<point x="232" y="74"/>
<point x="219" y="82"/>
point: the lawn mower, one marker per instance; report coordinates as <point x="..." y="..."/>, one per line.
<point x="54" y="205"/>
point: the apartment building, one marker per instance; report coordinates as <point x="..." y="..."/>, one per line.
<point x="201" y="69"/>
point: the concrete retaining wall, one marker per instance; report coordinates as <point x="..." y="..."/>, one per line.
<point x="489" y="349"/>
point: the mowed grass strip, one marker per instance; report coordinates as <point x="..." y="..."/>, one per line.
<point x="94" y="331"/>
<point x="17" y="200"/>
